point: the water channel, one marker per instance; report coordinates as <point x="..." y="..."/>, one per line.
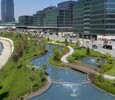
<point x="91" y="61"/>
<point x="1" y="48"/>
<point x="68" y="84"/>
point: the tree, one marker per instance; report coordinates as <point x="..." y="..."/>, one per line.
<point x="101" y="78"/>
<point x="78" y="43"/>
<point x="32" y="78"/>
<point x="66" y="42"/>
<point x="88" y="51"/>
<point x="44" y="66"/>
<point x="98" y="62"/>
<point x="56" y="55"/>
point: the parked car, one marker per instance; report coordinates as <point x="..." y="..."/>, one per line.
<point x="94" y="46"/>
<point x="107" y="47"/>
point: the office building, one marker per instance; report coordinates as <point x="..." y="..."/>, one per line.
<point x="65" y="18"/>
<point x="60" y="16"/>
<point x="26" y="20"/>
<point x="94" y="17"/>
<point x="7" y="11"/>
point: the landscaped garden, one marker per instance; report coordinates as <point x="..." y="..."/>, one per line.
<point x="80" y="52"/>
<point x="18" y="77"/>
<point x="57" y="54"/>
<point x="107" y="68"/>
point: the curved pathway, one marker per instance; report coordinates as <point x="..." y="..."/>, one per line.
<point x="109" y="77"/>
<point x="64" y="58"/>
<point x="8" y="49"/>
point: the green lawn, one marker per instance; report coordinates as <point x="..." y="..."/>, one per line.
<point x="112" y="71"/>
<point x="80" y="52"/>
<point x="104" y="84"/>
<point x="17" y="78"/>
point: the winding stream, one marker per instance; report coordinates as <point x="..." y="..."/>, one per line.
<point x="68" y="84"/>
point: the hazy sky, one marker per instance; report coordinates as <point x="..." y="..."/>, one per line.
<point x="29" y="7"/>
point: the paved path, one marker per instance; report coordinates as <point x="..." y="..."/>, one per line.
<point x="109" y="77"/>
<point x="64" y="58"/>
<point x="7" y="50"/>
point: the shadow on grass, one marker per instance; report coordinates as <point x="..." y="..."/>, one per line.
<point x="4" y="95"/>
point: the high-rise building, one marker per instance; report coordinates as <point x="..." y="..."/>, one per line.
<point x="7" y="11"/>
<point x="65" y="18"/>
<point x="93" y="17"/>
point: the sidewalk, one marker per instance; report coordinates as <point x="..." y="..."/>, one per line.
<point x="8" y="49"/>
<point x="64" y="58"/>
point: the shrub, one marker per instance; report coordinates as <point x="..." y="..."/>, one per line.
<point x="70" y="59"/>
<point x="88" y="51"/>
<point x="106" y="67"/>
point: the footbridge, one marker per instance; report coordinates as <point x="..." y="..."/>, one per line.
<point x="71" y="83"/>
<point x="83" y="67"/>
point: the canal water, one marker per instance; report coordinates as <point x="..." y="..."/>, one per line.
<point x="67" y="84"/>
<point x="91" y="61"/>
<point x="1" y="48"/>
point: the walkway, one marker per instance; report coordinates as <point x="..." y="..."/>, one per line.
<point x="109" y="77"/>
<point x="64" y="58"/>
<point x="83" y="68"/>
<point x="8" y="49"/>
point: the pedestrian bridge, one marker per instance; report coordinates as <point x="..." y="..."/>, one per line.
<point x="71" y="83"/>
<point x="83" y="68"/>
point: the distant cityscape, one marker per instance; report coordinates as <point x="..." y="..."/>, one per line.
<point x="88" y="18"/>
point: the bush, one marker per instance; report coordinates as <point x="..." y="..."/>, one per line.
<point x="71" y="59"/>
<point x="57" y="55"/>
<point x="88" y="51"/>
<point x="105" y="84"/>
<point x="106" y="67"/>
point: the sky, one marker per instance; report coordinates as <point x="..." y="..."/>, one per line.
<point x="29" y="7"/>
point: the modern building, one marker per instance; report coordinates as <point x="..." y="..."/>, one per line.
<point x="7" y="11"/>
<point x="26" y="20"/>
<point x="94" y="17"/>
<point x="50" y="19"/>
<point x="65" y="18"/>
<point x="60" y="16"/>
<point x="38" y="18"/>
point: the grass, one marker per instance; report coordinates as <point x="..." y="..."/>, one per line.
<point x="80" y="52"/>
<point x="59" y="63"/>
<point x="112" y="70"/>
<point x="15" y="79"/>
<point x="107" y="85"/>
<point x="54" y="63"/>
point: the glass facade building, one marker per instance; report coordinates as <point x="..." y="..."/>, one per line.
<point x="60" y="16"/>
<point x="38" y="18"/>
<point x="26" y="20"/>
<point x="94" y="17"/>
<point x="65" y="18"/>
<point x="7" y="11"/>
